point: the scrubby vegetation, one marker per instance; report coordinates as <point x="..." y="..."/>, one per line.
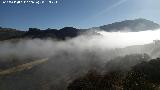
<point x="142" y="76"/>
<point x="139" y="73"/>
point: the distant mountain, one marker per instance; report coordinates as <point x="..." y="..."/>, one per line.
<point x="61" y="34"/>
<point x="9" y="33"/>
<point x="130" y="25"/>
<point x="52" y="33"/>
<point x="70" y="32"/>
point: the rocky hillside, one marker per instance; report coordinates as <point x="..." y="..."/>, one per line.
<point x="130" y="25"/>
<point x="70" y="32"/>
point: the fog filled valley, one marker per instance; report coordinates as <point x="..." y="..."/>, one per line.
<point x="71" y="59"/>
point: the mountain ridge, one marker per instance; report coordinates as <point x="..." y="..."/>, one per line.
<point x="130" y="25"/>
<point x="71" y="32"/>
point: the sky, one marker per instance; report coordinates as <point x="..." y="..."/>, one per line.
<point x="75" y="13"/>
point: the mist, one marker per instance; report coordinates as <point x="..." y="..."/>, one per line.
<point x="124" y="39"/>
<point x="83" y="43"/>
<point x="71" y="58"/>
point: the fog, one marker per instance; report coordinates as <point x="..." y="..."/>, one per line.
<point x="124" y="39"/>
<point x="83" y="43"/>
<point x="71" y="58"/>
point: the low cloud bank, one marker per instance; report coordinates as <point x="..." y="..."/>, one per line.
<point x="71" y="58"/>
<point x="98" y="44"/>
<point x="124" y="39"/>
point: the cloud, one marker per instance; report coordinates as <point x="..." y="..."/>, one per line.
<point x="94" y="43"/>
<point x="68" y="59"/>
<point x="124" y="39"/>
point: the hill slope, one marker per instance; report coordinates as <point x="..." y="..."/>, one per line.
<point x="62" y="34"/>
<point x="131" y="25"/>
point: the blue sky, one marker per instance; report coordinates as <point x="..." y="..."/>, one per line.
<point x="76" y="13"/>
